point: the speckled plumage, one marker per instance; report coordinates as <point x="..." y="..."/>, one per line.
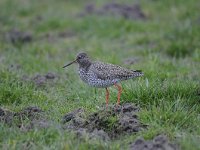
<point x="103" y="75"/>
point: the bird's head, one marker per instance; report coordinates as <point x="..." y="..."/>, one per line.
<point x="82" y="59"/>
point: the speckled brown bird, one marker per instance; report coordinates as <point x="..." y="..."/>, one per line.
<point x="103" y="75"/>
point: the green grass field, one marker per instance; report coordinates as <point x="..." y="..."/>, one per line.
<point x="39" y="37"/>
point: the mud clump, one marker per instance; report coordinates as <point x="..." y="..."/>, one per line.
<point x="6" y="116"/>
<point x="26" y="119"/>
<point x="159" y="142"/>
<point x="53" y="37"/>
<point x="78" y="113"/>
<point x="130" y="61"/>
<point x="116" y="9"/>
<point x="66" y="34"/>
<point x="31" y="113"/>
<point x="41" y="80"/>
<point x="106" y="123"/>
<point x="15" y="36"/>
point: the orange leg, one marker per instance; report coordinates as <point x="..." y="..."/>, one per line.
<point x="107" y="97"/>
<point x="119" y="93"/>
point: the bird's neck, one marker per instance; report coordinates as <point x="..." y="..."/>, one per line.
<point x="85" y="65"/>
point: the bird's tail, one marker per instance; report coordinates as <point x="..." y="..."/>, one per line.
<point x="138" y="73"/>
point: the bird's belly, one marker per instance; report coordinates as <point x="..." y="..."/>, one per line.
<point x="99" y="83"/>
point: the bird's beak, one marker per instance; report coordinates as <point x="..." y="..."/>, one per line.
<point x="70" y="63"/>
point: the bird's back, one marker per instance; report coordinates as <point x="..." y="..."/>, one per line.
<point x="107" y="71"/>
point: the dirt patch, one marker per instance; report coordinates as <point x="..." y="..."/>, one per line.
<point x="130" y="61"/>
<point x="26" y="119"/>
<point x="39" y="80"/>
<point x="16" y="36"/>
<point x="52" y="37"/>
<point x="66" y="34"/>
<point x="126" y="11"/>
<point x="160" y="142"/>
<point x="42" y="80"/>
<point x="6" y="116"/>
<point x="106" y="123"/>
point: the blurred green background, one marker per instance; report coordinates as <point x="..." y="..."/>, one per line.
<point x="37" y="37"/>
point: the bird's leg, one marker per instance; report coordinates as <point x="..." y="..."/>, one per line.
<point x="119" y="93"/>
<point x="107" y="97"/>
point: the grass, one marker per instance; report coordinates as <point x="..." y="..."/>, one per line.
<point x="166" y="45"/>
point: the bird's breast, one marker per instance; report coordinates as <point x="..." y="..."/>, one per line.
<point x="83" y="75"/>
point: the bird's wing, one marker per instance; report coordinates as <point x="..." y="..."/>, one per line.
<point x="109" y="71"/>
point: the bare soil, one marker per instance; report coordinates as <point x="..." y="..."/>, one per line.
<point x="105" y="124"/>
<point x="159" y="142"/>
<point x="41" y="80"/>
<point x="26" y="119"/>
<point x="132" y="12"/>
<point x="16" y="36"/>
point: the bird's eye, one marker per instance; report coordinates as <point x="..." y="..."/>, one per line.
<point x="79" y="57"/>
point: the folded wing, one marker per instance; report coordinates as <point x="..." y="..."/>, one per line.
<point x="109" y="71"/>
